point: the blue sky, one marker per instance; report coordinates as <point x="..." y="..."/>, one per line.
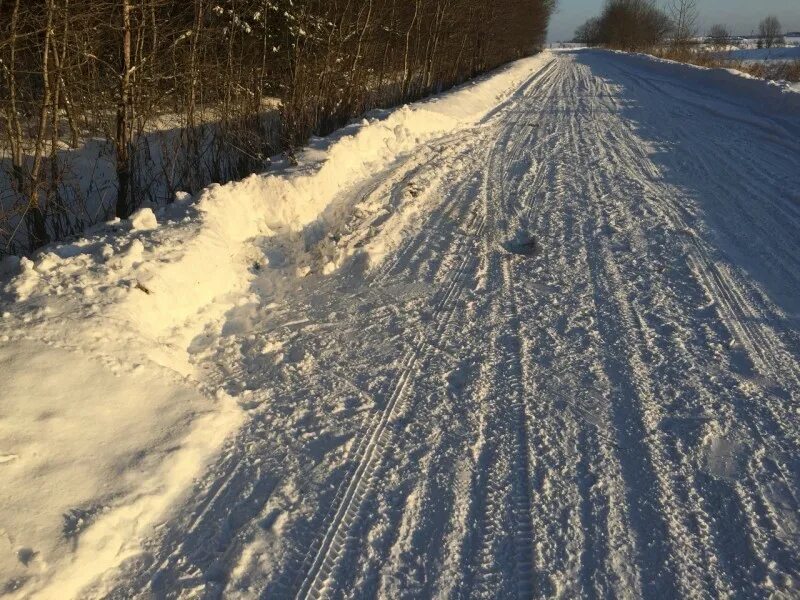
<point x="742" y="16"/>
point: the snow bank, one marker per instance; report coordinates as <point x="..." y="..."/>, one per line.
<point x="211" y="262"/>
<point x="103" y="417"/>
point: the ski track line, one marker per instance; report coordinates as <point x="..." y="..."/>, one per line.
<point x="627" y="160"/>
<point x="739" y="313"/>
<point x="419" y="409"/>
<point x="402" y="254"/>
<point x="621" y="535"/>
<point x="684" y="484"/>
<point x="638" y="418"/>
<point x="502" y="474"/>
<point x="410" y="361"/>
<point x="324" y="565"/>
<point x="722" y="286"/>
<point x="423" y="344"/>
<point x="503" y="470"/>
<point x="324" y="572"/>
<point x="767" y="353"/>
<point x="403" y="562"/>
<point x="563" y="558"/>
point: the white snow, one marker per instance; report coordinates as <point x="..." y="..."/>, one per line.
<point x="105" y="416"/>
<point x="213" y="259"/>
<point x="90" y="458"/>
<point x="764" y="54"/>
<point x="144" y="219"/>
<point x="534" y="336"/>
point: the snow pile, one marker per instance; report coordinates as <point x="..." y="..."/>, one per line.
<point x="76" y="444"/>
<point x="211" y="261"/>
<point x="104" y="418"/>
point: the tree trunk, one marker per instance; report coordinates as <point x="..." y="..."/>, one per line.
<point x="124" y="204"/>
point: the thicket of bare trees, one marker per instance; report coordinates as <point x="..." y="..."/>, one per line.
<point x="635" y="25"/>
<point x="127" y="101"/>
<point x="626" y="25"/>
<point x="719" y="36"/>
<point x="770" y="33"/>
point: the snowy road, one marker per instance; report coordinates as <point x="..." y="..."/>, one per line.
<point x="575" y="374"/>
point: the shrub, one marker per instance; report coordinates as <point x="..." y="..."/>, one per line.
<point x="188" y="92"/>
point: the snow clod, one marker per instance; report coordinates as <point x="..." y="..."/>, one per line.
<point x="144" y="219"/>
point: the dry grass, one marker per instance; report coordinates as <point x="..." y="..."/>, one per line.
<point x="779" y="71"/>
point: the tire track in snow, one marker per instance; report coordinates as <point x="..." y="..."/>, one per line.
<point x="390" y="528"/>
<point x="696" y="550"/>
<point x="634" y="414"/>
<point x="581" y="536"/>
<point x="737" y="305"/>
<point x="747" y="325"/>
<point x="502" y="492"/>
<point x="328" y="563"/>
<point x="585" y="480"/>
<point x="630" y="160"/>
<point x="475" y="137"/>
<point x="321" y="573"/>
<point x="501" y="497"/>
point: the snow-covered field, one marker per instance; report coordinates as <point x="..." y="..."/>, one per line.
<point x="786" y="53"/>
<point x="537" y="337"/>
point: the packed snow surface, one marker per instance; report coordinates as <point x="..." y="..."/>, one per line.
<point x="534" y="338"/>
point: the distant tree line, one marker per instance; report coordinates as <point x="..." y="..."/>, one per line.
<point x="626" y="25"/>
<point x="234" y="81"/>
<point x="770" y="34"/>
<point x="636" y="25"/>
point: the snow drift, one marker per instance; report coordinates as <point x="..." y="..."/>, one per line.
<point x="210" y="262"/>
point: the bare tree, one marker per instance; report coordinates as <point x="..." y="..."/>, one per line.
<point x="719" y="36"/>
<point x="124" y="115"/>
<point x="684" y="15"/>
<point x="770" y="32"/>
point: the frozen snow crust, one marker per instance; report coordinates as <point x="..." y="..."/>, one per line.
<point x="105" y="422"/>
